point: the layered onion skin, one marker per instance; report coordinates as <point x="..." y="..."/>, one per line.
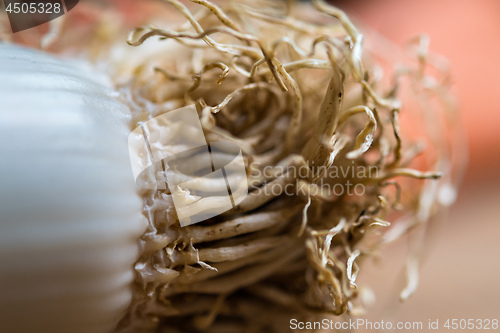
<point x="70" y="216"/>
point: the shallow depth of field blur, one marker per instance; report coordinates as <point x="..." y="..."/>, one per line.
<point x="460" y="271"/>
<point x="460" y="274"/>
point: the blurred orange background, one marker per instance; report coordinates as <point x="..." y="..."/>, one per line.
<point x="467" y="33"/>
<point x="460" y="274"/>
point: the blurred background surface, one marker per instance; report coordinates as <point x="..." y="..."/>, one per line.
<point x="459" y="277"/>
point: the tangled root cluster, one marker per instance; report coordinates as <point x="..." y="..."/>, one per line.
<point x="296" y="89"/>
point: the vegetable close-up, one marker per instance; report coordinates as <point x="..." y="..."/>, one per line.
<point x="349" y="143"/>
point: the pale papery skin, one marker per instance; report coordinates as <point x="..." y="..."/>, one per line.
<point x="288" y="269"/>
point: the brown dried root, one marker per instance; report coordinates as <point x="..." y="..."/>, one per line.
<point x="297" y="97"/>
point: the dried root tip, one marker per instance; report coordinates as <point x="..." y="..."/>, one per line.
<point x="310" y="118"/>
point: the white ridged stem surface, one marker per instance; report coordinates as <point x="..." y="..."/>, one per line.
<point x="70" y="216"/>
